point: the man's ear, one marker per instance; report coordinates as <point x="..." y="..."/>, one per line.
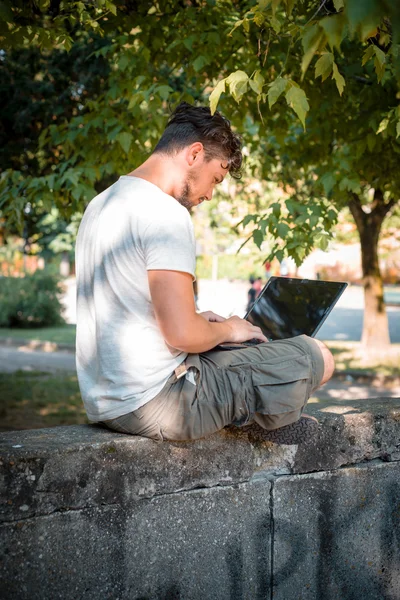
<point x="194" y="152"/>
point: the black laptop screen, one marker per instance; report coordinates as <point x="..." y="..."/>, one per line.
<point x="288" y="307"/>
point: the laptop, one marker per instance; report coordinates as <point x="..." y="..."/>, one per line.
<point x="288" y="306"/>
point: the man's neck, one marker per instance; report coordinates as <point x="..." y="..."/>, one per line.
<point x="157" y="171"/>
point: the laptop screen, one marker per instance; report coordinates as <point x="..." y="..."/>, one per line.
<point x="287" y="307"/>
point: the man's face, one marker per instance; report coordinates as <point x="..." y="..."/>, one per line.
<point x="201" y="181"/>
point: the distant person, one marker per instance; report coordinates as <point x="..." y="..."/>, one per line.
<point x="258" y="286"/>
<point x="147" y="362"/>
<point x="251" y="294"/>
<point x="267" y="267"/>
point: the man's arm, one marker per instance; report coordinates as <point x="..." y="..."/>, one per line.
<point x="183" y="328"/>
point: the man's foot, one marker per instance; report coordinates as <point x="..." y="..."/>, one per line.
<point x="295" y="433"/>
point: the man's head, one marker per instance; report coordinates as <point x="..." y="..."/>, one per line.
<point x="207" y="150"/>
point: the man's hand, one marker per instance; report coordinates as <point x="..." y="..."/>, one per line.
<point x="242" y="331"/>
<point x="212" y="317"/>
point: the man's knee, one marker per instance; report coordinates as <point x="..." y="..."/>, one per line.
<point x="329" y="361"/>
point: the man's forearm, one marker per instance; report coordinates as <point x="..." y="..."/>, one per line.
<point x="199" y="335"/>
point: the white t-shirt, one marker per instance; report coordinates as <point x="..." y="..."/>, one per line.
<point x="122" y="359"/>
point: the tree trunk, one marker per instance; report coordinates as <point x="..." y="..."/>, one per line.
<point x="375" y="336"/>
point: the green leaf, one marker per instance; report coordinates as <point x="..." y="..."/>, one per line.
<point x="237" y="82"/>
<point x="324" y="242"/>
<point x="276" y="89"/>
<point x="334" y="27"/>
<point x="371" y="141"/>
<point x="340" y="82"/>
<point x="368" y="54"/>
<point x="276" y="209"/>
<point x="248" y="219"/>
<point x="311" y="40"/>
<point x="332" y="215"/>
<point x="257" y="82"/>
<point x="289" y="6"/>
<point x="237" y="24"/>
<point x="328" y="180"/>
<point x="259" y="18"/>
<point x="352" y="185"/>
<point x="200" y="62"/>
<point x="275" y="24"/>
<point x="258" y="238"/>
<point x="125" y="139"/>
<point x="397" y="129"/>
<point x="297" y="99"/>
<point x="188" y="42"/>
<point x="164" y="91"/>
<point x="282" y="230"/>
<point x="323" y="66"/>
<point x="379" y="63"/>
<point x="112" y="8"/>
<point x="338" y="4"/>
<point x="215" y="95"/>
<point x="364" y="17"/>
<point x="382" y="126"/>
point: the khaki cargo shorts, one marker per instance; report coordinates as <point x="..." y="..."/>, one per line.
<point x="269" y="383"/>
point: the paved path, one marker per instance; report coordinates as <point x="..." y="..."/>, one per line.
<point x="13" y="359"/>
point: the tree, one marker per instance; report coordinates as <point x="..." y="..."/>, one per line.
<point x="312" y="88"/>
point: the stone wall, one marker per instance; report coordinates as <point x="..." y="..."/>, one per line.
<point x="87" y="513"/>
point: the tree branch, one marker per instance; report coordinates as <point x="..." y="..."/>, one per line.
<point x="379" y="206"/>
<point x="357" y="211"/>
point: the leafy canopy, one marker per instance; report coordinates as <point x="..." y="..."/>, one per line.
<point x="312" y="87"/>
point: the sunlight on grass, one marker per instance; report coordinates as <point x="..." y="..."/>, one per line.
<point x="350" y="356"/>
<point x="35" y="399"/>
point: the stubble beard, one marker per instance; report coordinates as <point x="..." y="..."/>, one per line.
<point x="184" y="196"/>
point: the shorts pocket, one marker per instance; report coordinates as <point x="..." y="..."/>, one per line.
<point x="282" y="387"/>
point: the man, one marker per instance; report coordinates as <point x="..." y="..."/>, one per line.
<point x="146" y="360"/>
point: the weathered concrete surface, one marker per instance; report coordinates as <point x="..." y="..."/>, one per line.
<point x="88" y="513"/>
<point x="64" y="468"/>
<point x="348" y="434"/>
<point x="211" y="543"/>
<point x="337" y="534"/>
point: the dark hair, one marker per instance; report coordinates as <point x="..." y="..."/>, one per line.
<point x="189" y="124"/>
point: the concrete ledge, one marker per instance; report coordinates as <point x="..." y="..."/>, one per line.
<point x="89" y="513"/>
<point x="45" y="470"/>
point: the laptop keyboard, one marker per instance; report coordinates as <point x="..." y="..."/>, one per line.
<point x="252" y="342"/>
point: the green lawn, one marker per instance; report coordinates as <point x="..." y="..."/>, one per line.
<point x="34" y="399"/>
<point x="64" y="334"/>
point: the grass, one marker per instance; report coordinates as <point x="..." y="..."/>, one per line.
<point x="35" y="399"/>
<point x="350" y="356"/>
<point x="64" y="334"/>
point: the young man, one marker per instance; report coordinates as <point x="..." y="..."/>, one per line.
<point x="146" y="360"/>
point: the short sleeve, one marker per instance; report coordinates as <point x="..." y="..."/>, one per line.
<point x="168" y="241"/>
